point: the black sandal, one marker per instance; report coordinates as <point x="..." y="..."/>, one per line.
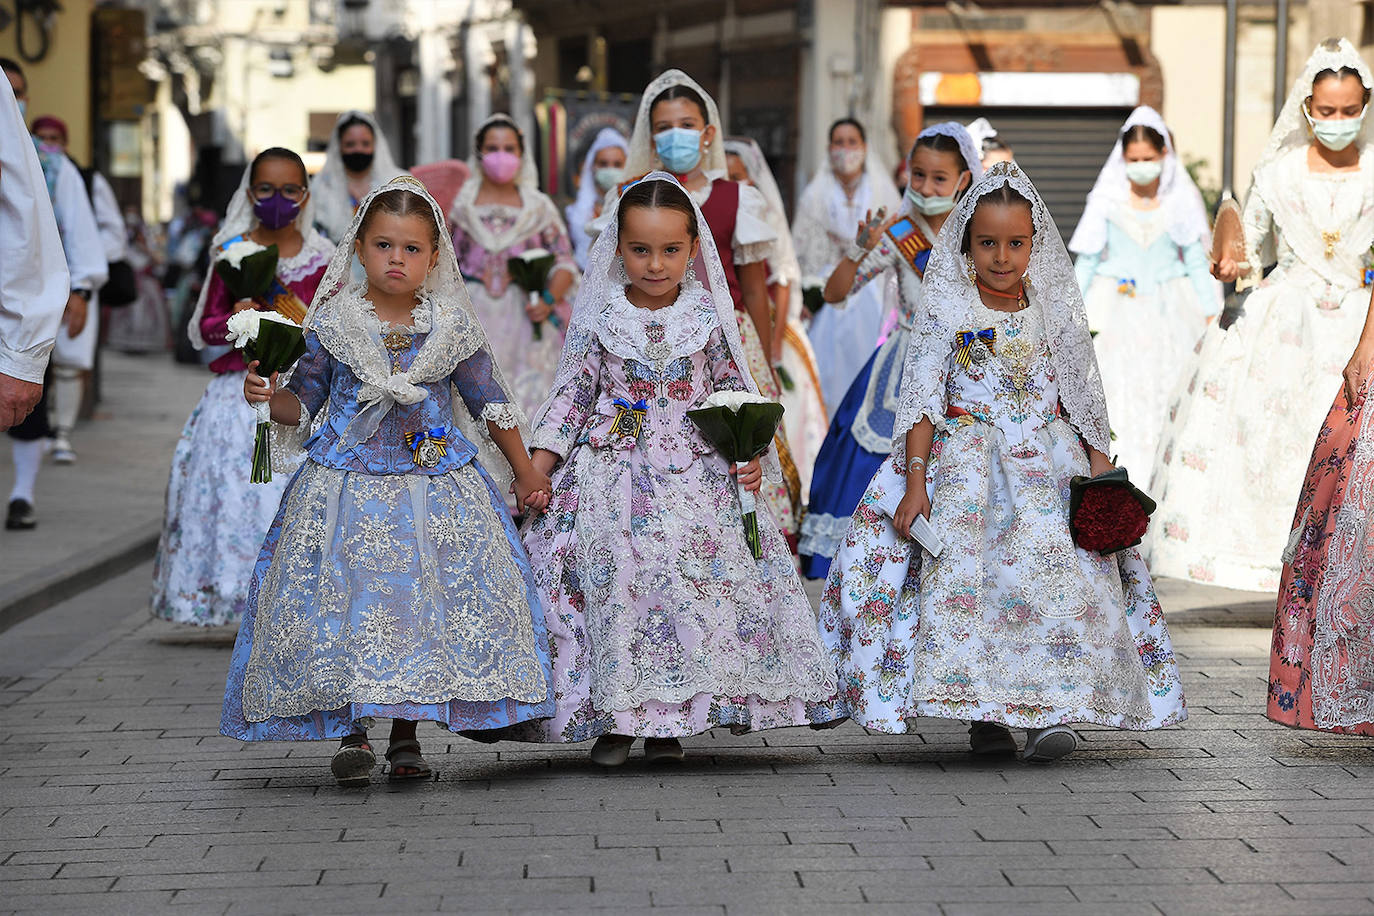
<point x="353" y="762"/>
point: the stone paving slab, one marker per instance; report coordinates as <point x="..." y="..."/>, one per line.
<point x="117" y="796"/>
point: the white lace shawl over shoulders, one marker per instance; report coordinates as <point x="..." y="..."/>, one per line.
<point x="687" y="325"/>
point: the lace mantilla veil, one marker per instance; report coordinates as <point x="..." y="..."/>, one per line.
<point x="641" y="158"/>
<point x="968" y="149"/>
<point x="349" y="329"/>
<point x="1178" y="195"/>
<point x="330" y="187"/>
<point x="605" y="282"/>
<point x="947" y="307"/>
<point x="1290" y="129"/>
<point x="239" y="219"/>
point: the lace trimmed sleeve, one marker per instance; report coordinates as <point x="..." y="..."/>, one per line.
<point x="755" y="240"/>
<point x="1258" y="222"/>
<point x="877" y="262"/>
<point x="482" y="394"/>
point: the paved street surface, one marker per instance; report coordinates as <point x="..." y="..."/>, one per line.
<point x="117" y="796"/>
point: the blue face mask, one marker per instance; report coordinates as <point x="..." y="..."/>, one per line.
<point x="23" y="109"/>
<point x="678" y="148"/>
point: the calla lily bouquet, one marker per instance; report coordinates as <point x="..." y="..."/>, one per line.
<point x="530" y="270"/>
<point x="741" y="426"/>
<point x="247" y="268"/>
<point x="276" y="342"/>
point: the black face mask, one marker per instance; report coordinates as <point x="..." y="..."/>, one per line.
<point x="357" y="162"/>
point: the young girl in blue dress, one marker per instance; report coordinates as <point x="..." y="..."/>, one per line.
<point x="392" y="583"/>
<point x="943" y="164"/>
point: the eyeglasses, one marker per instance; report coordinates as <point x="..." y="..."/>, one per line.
<point x="292" y="192"/>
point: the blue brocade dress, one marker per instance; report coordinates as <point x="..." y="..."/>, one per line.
<point x="387" y="589"/>
<point x="860" y="434"/>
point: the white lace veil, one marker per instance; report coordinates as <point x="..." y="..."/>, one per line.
<point x="348" y="329"/>
<point x="579" y="212"/>
<point x="947" y="307"/>
<point x="330" y="188"/>
<point x="968" y="150"/>
<point x="1178" y="195"/>
<point x="1291" y="129"/>
<point x="239" y="219"/>
<point x="641" y="157"/>
<point x="536" y="209"/>
<point x="783" y="261"/>
<point x="605" y="281"/>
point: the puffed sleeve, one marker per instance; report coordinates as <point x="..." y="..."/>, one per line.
<point x="483" y="396"/>
<point x="214" y="321"/>
<point x="725" y="372"/>
<point x="571" y="408"/>
<point x="755" y="240"/>
<point x="311" y="377"/>
<point x="80" y="232"/>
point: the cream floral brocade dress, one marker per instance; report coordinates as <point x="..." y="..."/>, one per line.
<point x="1012" y="623"/>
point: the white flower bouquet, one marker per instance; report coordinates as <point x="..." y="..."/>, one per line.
<point x="741" y="425"/>
<point x="247" y="268"/>
<point x="276" y="342"/>
<point x="530" y="270"/>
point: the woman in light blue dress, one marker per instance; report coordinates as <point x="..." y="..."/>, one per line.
<point x="1142" y="268"/>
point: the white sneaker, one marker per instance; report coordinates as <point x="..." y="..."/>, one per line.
<point x="62" y="451"/>
<point x="1044" y="745"/>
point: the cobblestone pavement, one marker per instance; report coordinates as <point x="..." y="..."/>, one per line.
<point x="117" y="796"/>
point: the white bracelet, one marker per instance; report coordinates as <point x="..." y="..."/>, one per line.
<point x="855" y="252"/>
<point x="920" y="461"/>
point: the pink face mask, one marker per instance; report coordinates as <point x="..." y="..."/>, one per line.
<point x="500" y="166"/>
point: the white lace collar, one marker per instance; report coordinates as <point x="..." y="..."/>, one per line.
<point x="421" y="315"/>
<point x="659" y="335"/>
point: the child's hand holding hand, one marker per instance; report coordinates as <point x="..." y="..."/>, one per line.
<point x="750" y="475"/>
<point x="914" y="503"/>
<point x="533" y="489"/>
<point x="544" y="461"/>
<point x="256" y="389"/>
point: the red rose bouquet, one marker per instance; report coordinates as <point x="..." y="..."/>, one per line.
<point x="1108" y="513"/>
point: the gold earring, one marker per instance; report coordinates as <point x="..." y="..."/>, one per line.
<point x="972" y="272"/>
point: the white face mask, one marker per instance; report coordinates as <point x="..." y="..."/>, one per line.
<point x="1335" y="135"/>
<point x="846" y="160"/>
<point x="1143" y="171"/>
<point x="930" y="206"/>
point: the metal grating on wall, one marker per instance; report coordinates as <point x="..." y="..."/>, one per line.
<point x="1061" y="149"/>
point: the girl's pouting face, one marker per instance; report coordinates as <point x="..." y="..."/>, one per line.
<point x="397" y="252"/>
<point x="735" y="170"/>
<point x="1141" y="151"/>
<point x="933" y="173"/>
<point x="610" y="157"/>
<point x="1000" y="244"/>
<point x="657" y="246"/>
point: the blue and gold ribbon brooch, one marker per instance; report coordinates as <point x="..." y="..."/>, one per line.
<point x="428" y="446"/>
<point x="629" y="418"/>
<point x="965" y="342"/>
<point x="1126" y="287"/>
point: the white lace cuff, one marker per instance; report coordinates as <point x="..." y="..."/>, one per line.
<point x="289" y="441"/>
<point x="505" y="416"/>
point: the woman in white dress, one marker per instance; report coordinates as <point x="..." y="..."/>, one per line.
<point x="1231" y="460"/>
<point x="1142" y="268"/>
<point x="1011" y="624"/>
<point x="849" y="186"/>
<point x="794" y="360"/>
<point x="357" y="161"/>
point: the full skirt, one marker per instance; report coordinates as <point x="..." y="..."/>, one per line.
<point x="1012" y="623"/>
<point x="661" y="622"/>
<point x="402" y="596"/>
<point x="216" y="519"/>
<point x="1144" y="343"/>
<point x="844" y="339"/>
<point x="1321" y="665"/>
<point x="1231" y="458"/>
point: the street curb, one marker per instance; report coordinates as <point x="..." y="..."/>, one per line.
<point x="56" y="583"/>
